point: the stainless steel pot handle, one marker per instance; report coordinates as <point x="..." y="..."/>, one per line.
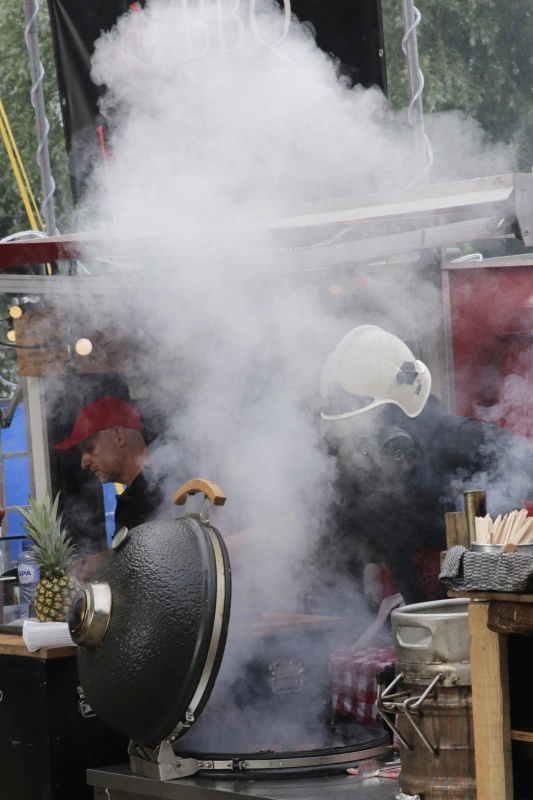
<point x="403" y="703"/>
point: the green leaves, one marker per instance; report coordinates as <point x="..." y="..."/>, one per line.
<point x="51" y="549"/>
<point x="476" y="57"/>
<point x="41" y="516"/>
<point x="15" y="87"/>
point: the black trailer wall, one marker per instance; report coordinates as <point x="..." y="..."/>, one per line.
<point x="350" y="30"/>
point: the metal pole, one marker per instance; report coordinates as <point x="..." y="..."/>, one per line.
<point x="31" y="37"/>
<point x="36" y="430"/>
<point x="415" y="112"/>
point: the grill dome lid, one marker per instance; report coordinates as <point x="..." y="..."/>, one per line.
<point x="151" y="627"/>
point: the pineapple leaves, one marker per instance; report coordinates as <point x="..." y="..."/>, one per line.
<point x="52" y="550"/>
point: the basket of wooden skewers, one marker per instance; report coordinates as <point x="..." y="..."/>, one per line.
<point x="509" y="533"/>
<point x="500" y="560"/>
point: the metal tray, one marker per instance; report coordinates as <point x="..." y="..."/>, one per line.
<point x="524" y="549"/>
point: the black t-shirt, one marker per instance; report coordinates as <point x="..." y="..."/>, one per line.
<point x="140" y="502"/>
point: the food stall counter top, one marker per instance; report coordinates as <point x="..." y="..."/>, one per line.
<point x="118" y="781"/>
<point x="13" y="645"/>
<point x="511" y="597"/>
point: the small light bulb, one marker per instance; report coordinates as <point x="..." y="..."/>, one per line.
<point x="15" y="312"/>
<point x="11" y="335"/>
<point x="83" y="347"/>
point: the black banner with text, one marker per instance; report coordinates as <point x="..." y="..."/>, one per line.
<point x="350" y="30"/>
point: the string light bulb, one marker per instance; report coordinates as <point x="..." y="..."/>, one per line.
<point x="15" y="312"/>
<point x="83" y="347"/>
<point x="12" y="336"/>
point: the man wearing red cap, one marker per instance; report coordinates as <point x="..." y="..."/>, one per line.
<point x="108" y="433"/>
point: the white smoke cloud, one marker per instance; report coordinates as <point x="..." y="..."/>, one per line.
<point x="462" y="149"/>
<point x="211" y="122"/>
<point x="213" y="127"/>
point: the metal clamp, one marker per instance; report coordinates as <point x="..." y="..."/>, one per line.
<point x="391" y="705"/>
<point x="204" y="512"/>
<point x="403" y="703"/>
<point x="84" y="708"/>
<point x="161" y="763"/>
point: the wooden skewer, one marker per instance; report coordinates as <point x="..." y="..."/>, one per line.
<point x="496" y="529"/>
<point x="514" y="520"/>
<point x="508" y="527"/>
<point x="525" y="534"/>
<point x="523" y="522"/>
<point x="520" y="519"/>
<point x="515" y="527"/>
<point x="505" y="528"/>
<point x="483" y="529"/>
<point x="502" y="525"/>
<point x="488" y="529"/>
<point x="513" y="517"/>
<point x="529" y="532"/>
<point x="522" y="535"/>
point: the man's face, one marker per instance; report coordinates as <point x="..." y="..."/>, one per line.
<point x="102" y="454"/>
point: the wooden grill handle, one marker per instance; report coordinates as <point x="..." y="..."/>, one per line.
<point x="210" y="489"/>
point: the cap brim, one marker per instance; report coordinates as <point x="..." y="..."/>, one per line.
<point x="67" y="444"/>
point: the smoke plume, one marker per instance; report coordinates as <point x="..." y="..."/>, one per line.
<point x="222" y="115"/>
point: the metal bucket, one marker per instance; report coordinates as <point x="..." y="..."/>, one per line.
<point x="431" y="697"/>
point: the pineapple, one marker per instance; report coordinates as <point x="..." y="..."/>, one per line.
<point x="53" y="553"/>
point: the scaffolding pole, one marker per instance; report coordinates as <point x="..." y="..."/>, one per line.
<point x="31" y="37"/>
<point x="415" y="112"/>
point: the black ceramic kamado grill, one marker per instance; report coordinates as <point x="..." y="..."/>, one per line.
<point x="152" y="629"/>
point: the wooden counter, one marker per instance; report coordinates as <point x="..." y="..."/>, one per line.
<point x="491" y="707"/>
<point x="492" y="616"/>
<point x="508" y="597"/>
<point x="14" y="646"/>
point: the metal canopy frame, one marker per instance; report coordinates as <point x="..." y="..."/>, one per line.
<point x="410" y="221"/>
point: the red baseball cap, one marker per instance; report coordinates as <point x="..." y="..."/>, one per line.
<point x="100" y="415"/>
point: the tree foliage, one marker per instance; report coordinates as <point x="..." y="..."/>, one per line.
<point x="15" y="87"/>
<point x="476" y="57"/>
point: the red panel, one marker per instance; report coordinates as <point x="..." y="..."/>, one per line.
<point x="486" y="303"/>
<point x="26" y="252"/>
<point x="38" y="251"/>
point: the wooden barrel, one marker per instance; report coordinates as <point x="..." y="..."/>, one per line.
<point x="446" y="720"/>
